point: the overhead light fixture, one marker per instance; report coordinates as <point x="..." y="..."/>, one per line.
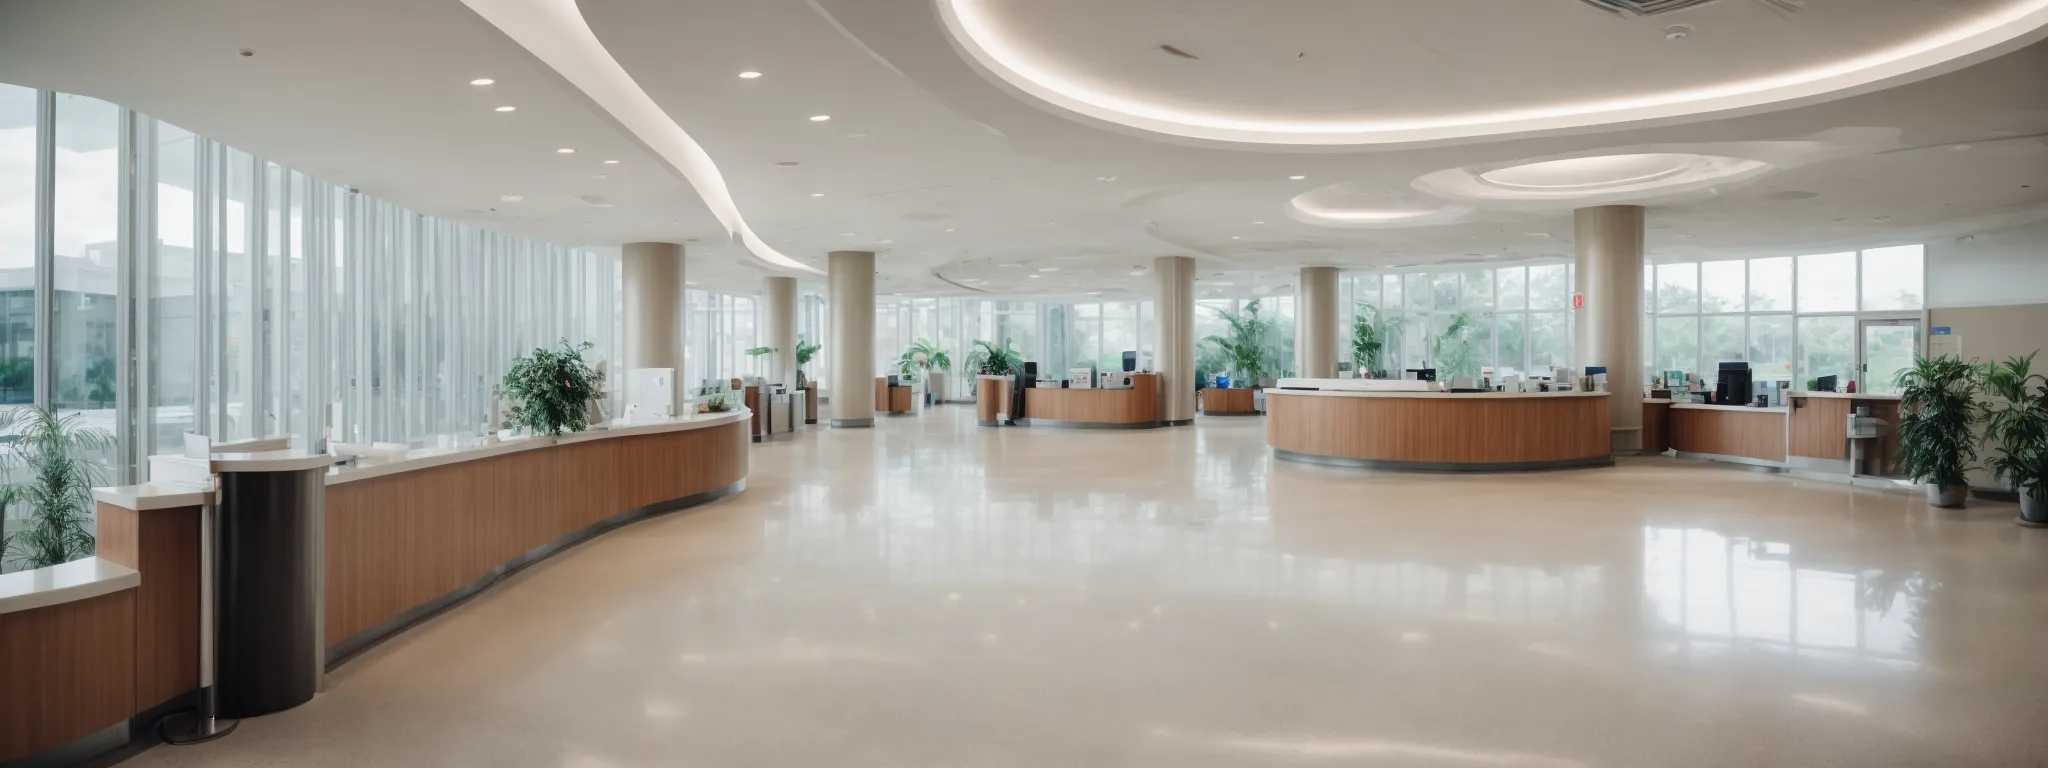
<point x="1233" y="237"/>
<point x="482" y="81"/>
<point x="512" y="198"/>
<point x="949" y="229"/>
<point x="1259" y="223"/>
<point x="749" y="75"/>
<point x="1011" y="266"/>
<point x="565" y="151"/>
<point x="611" y="162"/>
<point x="820" y="118"/>
<point x="1035" y="277"/>
<point x="1296" y="178"/>
<point x="817" y="194"/>
<point x="689" y="282"/>
<point x="848" y="234"/>
<point x="1048" y="269"/>
<point x="507" y="108"/>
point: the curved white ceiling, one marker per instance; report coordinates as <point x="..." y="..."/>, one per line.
<point x="1382" y="72"/>
<point x="1588" y="179"/>
<point x="554" y="31"/>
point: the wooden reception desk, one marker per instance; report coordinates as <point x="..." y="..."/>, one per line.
<point x="891" y="400"/>
<point x="1810" y="433"/>
<point x="1134" y="408"/>
<point x="1217" y="401"/>
<point x="1434" y="431"/>
<point x="93" y="651"/>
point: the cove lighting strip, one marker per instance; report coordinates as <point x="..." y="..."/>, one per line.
<point x="1983" y="36"/>
<point x="555" y="32"/>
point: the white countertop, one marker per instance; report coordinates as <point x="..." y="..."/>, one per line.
<point x="379" y="466"/>
<point x="271" y="461"/>
<point x="1745" y="408"/>
<point x="1432" y="395"/>
<point x="70" y="582"/>
<point x="1841" y="395"/>
<point x="154" y="495"/>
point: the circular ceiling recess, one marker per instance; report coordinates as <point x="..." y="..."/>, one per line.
<point x="1351" y="206"/>
<point x="1400" y="72"/>
<point x="1591" y="179"/>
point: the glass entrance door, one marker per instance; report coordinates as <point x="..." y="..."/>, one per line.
<point x="1888" y="347"/>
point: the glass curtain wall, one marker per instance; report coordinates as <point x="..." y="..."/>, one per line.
<point x="1515" y="319"/>
<point x="154" y="282"/>
<point x="1791" y="318"/>
<point x="721" y="327"/>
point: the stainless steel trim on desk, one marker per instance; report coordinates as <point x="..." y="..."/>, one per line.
<point x="1088" y="424"/>
<point x="852" y="423"/>
<point x="1438" y="466"/>
<point x="340" y="653"/>
<point x="1777" y="466"/>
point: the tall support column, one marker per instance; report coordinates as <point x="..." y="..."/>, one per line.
<point x="653" y="285"/>
<point x="1315" y="350"/>
<point x="779" y="295"/>
<point x="1608" y="329"/>
<point x="852" y="276"/>
<point x="1174" y="347"/>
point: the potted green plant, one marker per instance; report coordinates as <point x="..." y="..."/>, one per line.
<point x="2017" y="425"/>
<point x="921" y="358"/>
<point x="550" y="389"/>
<point x="1245" y="343"/>
<point x="1000" y="365"/>
<point x="988" y="359"/>
<point x="804" y="352"/>
<point x="57" y="456"/>
<point x="1938" y="413"/>
<point x="1371" y="333"/>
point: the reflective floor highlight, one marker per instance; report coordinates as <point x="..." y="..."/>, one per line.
<point x="932" y="593"/>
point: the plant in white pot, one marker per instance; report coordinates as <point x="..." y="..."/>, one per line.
<point x="1938" y="414"/>
<point x="2017" y="426"/>
<point x="921" y="358"/>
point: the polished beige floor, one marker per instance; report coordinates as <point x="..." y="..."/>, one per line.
<point x="930" y="593"/>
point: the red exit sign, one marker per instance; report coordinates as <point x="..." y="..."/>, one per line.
<point x="1578" y="301"/>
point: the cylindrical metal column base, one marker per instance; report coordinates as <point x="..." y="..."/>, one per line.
<point x="268" y="591"/>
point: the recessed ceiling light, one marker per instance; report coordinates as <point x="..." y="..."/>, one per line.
<point x="949" y="229"/>
<point x="611" y="162"/>
<point x="565" y="151"/>
<point x="1011" y="266"/>
<point x="749" y="75"/>
<point x="1137" y="272"/>
<point x="1259" y="223"/>
<point x="1048" y="269"/>
<point x="820" y="118"/>
<point x="1035" y="277"/>
<point x="1095" y="293"/>
<point x="1233" y="237"/>
<point x="482" y="81"/>
<point x="512" y="198"/>
<point x="507" y="108"/>
<point x="1297" y="178"/>
<point x="817" y="194"/>
<point x="848" y="234"/>
<point x="689" y="282"/>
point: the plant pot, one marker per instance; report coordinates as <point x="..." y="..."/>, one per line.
<point x="2033" y="509"/>
<point x="1949" y="496"/>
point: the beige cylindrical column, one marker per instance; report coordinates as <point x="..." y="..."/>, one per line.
<point x="1608" y="329"/>
<point x="852" y="296"/>
<point x="778" y="295"/>
<point x="1315" y="322"/>
<point x="652" y="281"/>
<point x="1173" y="345"/>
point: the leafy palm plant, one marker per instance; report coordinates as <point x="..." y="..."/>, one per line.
<point x="58" y="456"/>
<point x="1937" y="413"/>
<point x="923" y="356"/>
<point x="2019" y="425"/>
<point x="990" y="360"/>
<point x="804" y="352"/>
<point x="1245" y="344"/>
<point x="1371" y="333"/>
<point x="551" y="389"/>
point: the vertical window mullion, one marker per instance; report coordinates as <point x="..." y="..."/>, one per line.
<point x="42" y="359"/>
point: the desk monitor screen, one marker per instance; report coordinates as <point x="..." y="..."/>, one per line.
<point x="1826" y="384"/>
<point x="1423" y="374"/>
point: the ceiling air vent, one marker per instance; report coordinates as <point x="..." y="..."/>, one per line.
<point x="1643" y="7"/>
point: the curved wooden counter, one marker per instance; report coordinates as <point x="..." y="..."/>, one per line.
<point x="1440" y="432"/>
<point x="1134" y="408"/>
<point x="100" y="648"/>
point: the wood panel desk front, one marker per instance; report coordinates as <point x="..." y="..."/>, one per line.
<point x="1134" y="408"/>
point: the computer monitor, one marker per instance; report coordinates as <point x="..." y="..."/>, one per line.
<point x="1826" y="384"/>
<point x="1732" y="385"/>
<point x="1423" y="374"/>
<point x="1130" y="361"/>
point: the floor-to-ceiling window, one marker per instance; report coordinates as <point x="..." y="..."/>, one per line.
<point x="1795" y="319"/>
<point x="262" y="302"/>
<point x="1513" y="320"/>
